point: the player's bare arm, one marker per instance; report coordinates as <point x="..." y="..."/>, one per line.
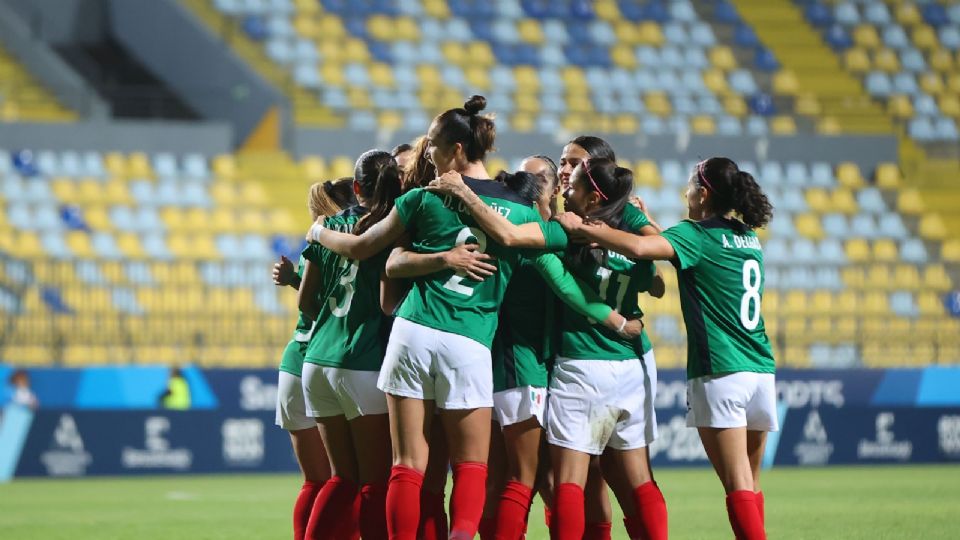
<point x="654" y="248"/>
<point x="362" y="247"/>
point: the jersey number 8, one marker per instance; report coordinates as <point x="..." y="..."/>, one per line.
<point x="750" y="302"/>
<point x="455" y="283"/>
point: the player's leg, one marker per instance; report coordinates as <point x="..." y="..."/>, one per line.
<point x="315" y="466"/>
<point x="756" y="444"/>
<point x="333" y="509"/>
<point x="522" y="442"/>
<point x="727" y="450"/>
<point x="496" y="478"/>
<point x="570" y="470"/>
<point x="598" y="512"/>
<point x="371" y="440"/>
<point x="433" y="511"/>
<point x="410" y="421"/>
<point x="631" y="478"/>
<point x="544" y="486"/>
<point x="468" y="437"/>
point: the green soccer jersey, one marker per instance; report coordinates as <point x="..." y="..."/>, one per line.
<point x="445" y="300"/>
<point x="292" y="359"/>
<point x="522" y="349"/>
<point x="720" y="274"/>
<point x="347" y="333"/>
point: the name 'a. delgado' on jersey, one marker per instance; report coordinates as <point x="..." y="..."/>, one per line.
<point x="457" y="205"/>
<point x="742" y="242"/>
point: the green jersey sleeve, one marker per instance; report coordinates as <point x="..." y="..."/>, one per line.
<point x="554" y="236"/>
<point x="312" y="253"/>
<point x="687" y="240"/>
<point x="576" y="294"/>
<point x="633" y="218"/>
<point x="408" y="205"/>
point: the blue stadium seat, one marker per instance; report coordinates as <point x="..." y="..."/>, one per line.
<point x="762" y="104"/>
<point x="912" y="60"/>
<point x="905" y="83"/>
<point x="838" y="38"/>
<point x="950" y="37"/>
<point x="912" y="250"/>
<point x="895" y="37"/>
<point x="818" y="14"/>
<point x="255" y="28"/>
<point x="876" y="13"/>
<point x="946" y="129"/>
<point x="51" y="297"/>
<point x="934" y="14"/>
<point x="765" y="60"/>
<point x="24" y="164"/>
<point x="745" y="36"/>
<point x="878" y="84"/>
<point x="725" y="12"/>
<point x="846" y="13"/>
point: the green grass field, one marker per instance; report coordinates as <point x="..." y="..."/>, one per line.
<point x="845" y="503"/>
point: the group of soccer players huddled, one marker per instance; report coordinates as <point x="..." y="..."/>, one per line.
<point x="450" y="320"/>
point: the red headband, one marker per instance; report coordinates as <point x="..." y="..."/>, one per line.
<point x="586" y="168"/>
<point x="703" y="177"/>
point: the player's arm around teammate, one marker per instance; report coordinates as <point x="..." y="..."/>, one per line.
<point x="730" y="388"/>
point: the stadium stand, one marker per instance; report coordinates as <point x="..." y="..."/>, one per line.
<point x="22" y="98"/>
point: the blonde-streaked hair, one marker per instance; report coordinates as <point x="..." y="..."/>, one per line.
<point x="328" y="198"/>
<point x="419" y="170"/>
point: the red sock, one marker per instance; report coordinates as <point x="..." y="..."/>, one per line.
<point x="548" y="517"/>
<point x="568" y="512"/>
<point x="650" y="513"/>
<point x="487" y="528"/>
<point x="744" y="517"/>
<point x="332" y="510"/>
<point x="467" y="498"/>
<point x="302" y="508"/>
<point x="433" y="516"/>
<point x="512" y="511"/>
<point x="597" y="530"/>
<point x="373" y="511"/>
<point x="758" y="495"/>
<point x="403" y="502"/>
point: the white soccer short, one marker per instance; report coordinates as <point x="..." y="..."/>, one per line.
<point x="425" y="363"/>
<point x="519" y="404"/>
<point x="291" y="408"/>
<point x="742" y="399"/>
<point x="595" y="404"/>
<point x="335" y="391"/>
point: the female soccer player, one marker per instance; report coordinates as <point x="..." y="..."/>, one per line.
<point x="731" y="397"/>
<point x="347" y="300"/>
<point x="291" y="407"/>
<point x="439" y="350"/>
<point x="601" y="395"/>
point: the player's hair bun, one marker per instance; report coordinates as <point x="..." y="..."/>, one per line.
<point x="475" y="104"/>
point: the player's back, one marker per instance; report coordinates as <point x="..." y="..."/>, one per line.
<point x="720" y="274"/>
<point x="445" y="300"/>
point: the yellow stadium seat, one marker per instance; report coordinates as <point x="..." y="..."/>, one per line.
<point x="252" y="193"/>
<point x="332" y="74"/>
<point x="907" y="13"/>
<point x="783" y="125"/>
<point x="116" y="164"/>
<point x="857" y="250"/>
<point x="875" y="303"/>
<point x="389" y="120"/>
<point x="306" y="26"/>
<point x="332" y="52"/>
<point x="406" y="30"/>
<point x="785" y="83"/>
<point x="523" y="122"/>
<point x="359" y="98"/>
<point x="924" y="37"/>
<point x="829" y="125"/>
<point x="607" y="10"/>
<point x="197" y="219"/>
<point x="129" y="244"/>
<point x="848" y="175"/>
<point x="623" y="56"/>
<point x="900" y="107"/>
<point x="906" y="276"/>
<point x="807" y="105"/>
<point x="951" y="251"/>
<point x="29" y="355"/>
<point x="646" y="173"/>
<point x="842" y="201"/>
<point x="626" y="124"/>
<point x="935" y="277"/>
<point x="478" y="77"/>
<point x="649" y="33"/>
<point x="341" y="166"/>
<point x="79" y="244"/>
<point x="808" y="225"/>
<point x="225" y="167"/>
<point x="574" y="78"/>
<point x="527" y="79"/>
<point x="886" y="60"/>
<point x="795" y="303"/>
<point x="909" y="202"/>
<point x="735" y="106"/>
<point x="306" y="7"/>
<point x="885" y="251"/>
<point x="949" y="105"/>
<point x="716" y="81"/>
<point x="932" y="227"/>
<point x="703" y="125"/>
<point x="356" y="50"/>
<point x="381" y="75"/>
<point x="530" y="31"/>
<point x="429" y="75"/>
<point x="627" y="33"/>
<point x="856" y="60"/>
<point x="887" y="176"/>
<point x="455" y="53"/>
<point x="138" y="166"/>
<point x="941" y="61"/>
<point x="480" y="53"/>
<point x="878" y="277"/>
<point x="931" y="83"/>
<point x="575" y="122"/>
<point x="929" y="303"/>
<point x="657" y="103"/>
<point x="65" y="189"/>
<point x="437" y="9"/>
<point x="314" y="168"/>
<point x="97" y="218"/>
<point x="818" y="200"/>
<point x="866" y="36"/>
<point x="527" y="103"/>
<point x="721" y="57"/>
<point x="331" y="27"/>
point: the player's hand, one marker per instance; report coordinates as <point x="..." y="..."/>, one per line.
<point x="467" y="259"/>
<point x="283" y="272"/>
<point x="632" y="329"/>
<point x="449" y="183"/>
<point x="314" y="230"/>
<point x="570" y="221"/>
<point x="638" y="203"/>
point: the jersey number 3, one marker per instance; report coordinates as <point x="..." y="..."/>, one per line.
<point x="341" y="308"/>
<point x="455" y="283"/>
<point x="750" y="302"/>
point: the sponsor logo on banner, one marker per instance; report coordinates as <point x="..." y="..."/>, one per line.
<point x="677" y="441"/>
<point x="156" y="452"/>
<point x="242" y="441"/>
<point x="256" y="395"/>
<point x="815" y="447"/>
<point x="798" y="394"/>
<point x="67" y="455"/>
<point x="885" y="446"/>
<point x="948" y="428"/>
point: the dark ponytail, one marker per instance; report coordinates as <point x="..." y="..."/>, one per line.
<point x="595" y="146"/>
<point x="524" y="184"/>
<point x="734" y="190"/>
<point x="468" y="127"/>
<point x="615" y="183"/>
<point x="379" y="178"/>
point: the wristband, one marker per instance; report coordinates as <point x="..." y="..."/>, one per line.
<point x="315" y="231"/>
<point x="623" y="324"/>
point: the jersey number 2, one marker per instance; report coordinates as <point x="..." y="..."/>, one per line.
<point x="455" y="283"/>
<point x="341" y="308"/>
<point x="750" y="302"/>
